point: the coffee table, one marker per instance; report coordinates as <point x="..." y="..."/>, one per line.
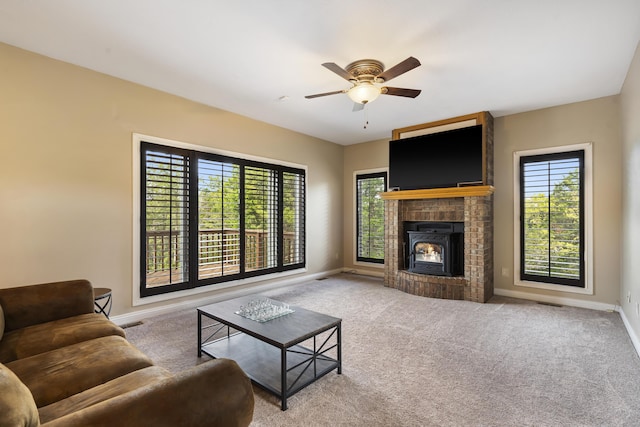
<point x="270" y="353"/>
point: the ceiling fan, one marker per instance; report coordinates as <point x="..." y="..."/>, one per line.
<point x="367" y="77"/>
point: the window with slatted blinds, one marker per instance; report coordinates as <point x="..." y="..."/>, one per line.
<point x="208" y="218"/>
<point x="166" y="218"/>
<point x="370" y="217"/>
<point x="293" y="208"/>
<point x="552" y="231"/>
<point x="218" y="219"/>
<point x="261" y="215"/>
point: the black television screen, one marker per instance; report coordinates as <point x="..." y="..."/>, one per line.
<point x="444" y="159"/>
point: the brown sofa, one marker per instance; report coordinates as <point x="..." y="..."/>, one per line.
<point x="61" y="364"/>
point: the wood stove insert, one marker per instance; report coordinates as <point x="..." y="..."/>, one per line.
<point x="434" y="248"/>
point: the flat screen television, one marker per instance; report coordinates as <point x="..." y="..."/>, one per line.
<point x="450" y="158"/>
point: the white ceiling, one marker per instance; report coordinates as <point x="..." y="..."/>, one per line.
<point x="504" y="56"/>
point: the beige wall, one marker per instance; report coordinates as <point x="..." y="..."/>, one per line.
<point x="66" y="170"/>
<point x="630" y="111"/>
<point x="595" y="121"/>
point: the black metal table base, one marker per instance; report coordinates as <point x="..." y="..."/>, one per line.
<point x="298" y="367"/>
<point x="102" y="301"/>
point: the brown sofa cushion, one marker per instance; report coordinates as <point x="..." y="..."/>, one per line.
<point x="48" y="336"/>
<point x="113" y="388"/>
<point x="58" y="374"/>
<point x="215" y="393"/>
<point x="30" y="305"/>
<point x="17" y="407"/>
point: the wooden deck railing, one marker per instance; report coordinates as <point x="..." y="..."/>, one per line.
<point x="164" y="263"/>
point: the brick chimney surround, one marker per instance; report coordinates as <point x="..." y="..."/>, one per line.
<point x="472" y="205"/>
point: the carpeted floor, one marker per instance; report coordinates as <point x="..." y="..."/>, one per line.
<point x="414" y="361"/>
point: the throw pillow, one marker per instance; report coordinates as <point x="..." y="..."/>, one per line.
<point x="16" y="401"/>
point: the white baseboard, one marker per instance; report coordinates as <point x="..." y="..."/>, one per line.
<point x="634" y="338"/>
<point x="572" y="302"/>
<point x="136" y="316"/>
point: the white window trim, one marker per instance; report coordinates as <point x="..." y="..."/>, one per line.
<point x="137" y="299"/>
<point x="588" y="218"/>
<point x="355" y="216"/>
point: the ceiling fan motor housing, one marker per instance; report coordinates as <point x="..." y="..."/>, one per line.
<point x="365" y="70"/>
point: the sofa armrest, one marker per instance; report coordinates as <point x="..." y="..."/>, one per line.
<point x="30" y="305"/>
<point x="215" y="393"/>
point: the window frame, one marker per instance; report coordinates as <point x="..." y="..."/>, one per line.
<point x="587" y="219"/>
<point x="363" y="174"/>
<point x="141" y="295"/>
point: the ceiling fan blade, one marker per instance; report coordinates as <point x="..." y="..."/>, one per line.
<point x="338" y="70"/>
<point x="357" y="107"/>
<point x="398" y="91"/>
<point x="407" y="65"/>
<point x="317" y="95"/>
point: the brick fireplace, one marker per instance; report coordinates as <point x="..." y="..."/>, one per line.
<point x="472" y="205"/>
<point x="476" y="211"/>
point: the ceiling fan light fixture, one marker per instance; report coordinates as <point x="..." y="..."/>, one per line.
<point x="364" y="92"/>
<point x="367" y="77"/>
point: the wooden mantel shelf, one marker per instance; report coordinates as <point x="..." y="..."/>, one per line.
<point x="439" y="193"/>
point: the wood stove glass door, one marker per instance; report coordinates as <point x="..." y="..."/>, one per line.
<point x="428" y="252"/>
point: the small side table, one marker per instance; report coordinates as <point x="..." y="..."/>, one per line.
<point x="102" y="300"/>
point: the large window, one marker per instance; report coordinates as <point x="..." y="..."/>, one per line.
<point x="370" y="217"/>
<point x="552" y="218"/>
<point x="208" y="218"/>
